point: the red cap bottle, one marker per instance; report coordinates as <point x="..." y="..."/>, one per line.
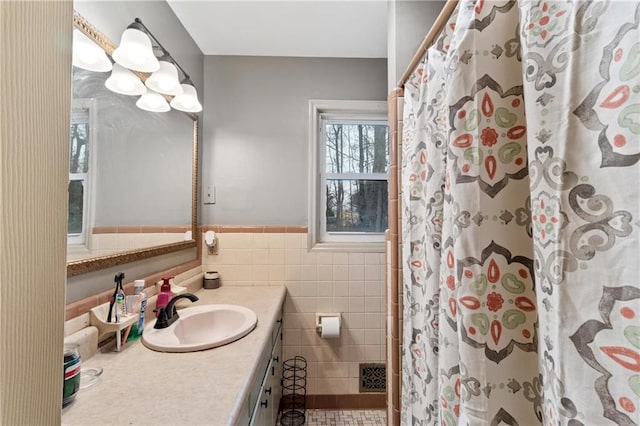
<point x="166" y="286"/>
<point x="165" y="294"/>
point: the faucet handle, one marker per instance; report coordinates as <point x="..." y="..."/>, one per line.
<point x="163" y="320"/>
<point x="167" y="315"/>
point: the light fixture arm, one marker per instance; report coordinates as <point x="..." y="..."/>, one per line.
<point x="140" y="50"/>
<point x="138" y="25"/>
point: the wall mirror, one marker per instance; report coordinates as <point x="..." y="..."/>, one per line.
<point x="132" y="174"/>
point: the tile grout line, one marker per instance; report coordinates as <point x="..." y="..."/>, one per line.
<point x="317" y="417"/>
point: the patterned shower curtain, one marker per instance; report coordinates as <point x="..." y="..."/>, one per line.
<point x="521" y="217"/>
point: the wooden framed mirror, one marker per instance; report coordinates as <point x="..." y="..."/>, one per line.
<point x="133" y="174"/>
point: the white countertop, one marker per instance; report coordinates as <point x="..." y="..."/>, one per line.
<point x="140" y="386"/>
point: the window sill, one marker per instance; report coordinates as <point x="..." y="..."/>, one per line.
<point x="349" y="247"/>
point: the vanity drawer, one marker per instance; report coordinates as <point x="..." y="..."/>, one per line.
<point x="261" y="373"/>
<point x="263" y="408"/>
<point x="264" y="397"/>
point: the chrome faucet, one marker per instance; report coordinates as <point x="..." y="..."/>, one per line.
<point x="167" y="315"/>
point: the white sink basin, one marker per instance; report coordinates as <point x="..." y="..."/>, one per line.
<point x="201" y="327"/>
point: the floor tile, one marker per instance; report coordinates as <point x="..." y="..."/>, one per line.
<point x="344" y="418"/>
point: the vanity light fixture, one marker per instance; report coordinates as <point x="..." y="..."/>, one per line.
<point x="124" y="82"/>
<point x="135" y="52"/>
<point x="141" y="51"/>
<point x="88" y="55"/>
<point x="153" y="102"/>
<point x="165" y="80"/>
<point x="188" y="100"/>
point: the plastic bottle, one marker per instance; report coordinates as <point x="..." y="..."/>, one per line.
<point x="120" y="306"/>
<point x="140" y="306"/>
<point x="165" y="294"/>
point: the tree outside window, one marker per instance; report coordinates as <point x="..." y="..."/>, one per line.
<point x="348" y="173"/>
<point x="356" y="164"/>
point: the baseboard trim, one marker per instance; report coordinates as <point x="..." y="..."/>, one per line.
<point x="370" y="401"/>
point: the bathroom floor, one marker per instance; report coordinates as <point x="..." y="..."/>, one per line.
<point x="345" y="418"/>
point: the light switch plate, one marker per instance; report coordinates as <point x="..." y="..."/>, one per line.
<point x="209" y="194"/>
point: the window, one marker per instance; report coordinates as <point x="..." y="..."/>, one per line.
<point x="79" y="173"/>
<point x="349" y="169"/>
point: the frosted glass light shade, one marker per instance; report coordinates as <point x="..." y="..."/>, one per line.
<point x="152" y="101"/>
<point x="88" y="55"/>
<point x="165" y="80"/>
<point x="124" y="82"/>
<point x="135" y="52"/>
<point x="187" y="101"/>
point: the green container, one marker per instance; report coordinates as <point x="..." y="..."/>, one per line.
<point x="71" y="373"/>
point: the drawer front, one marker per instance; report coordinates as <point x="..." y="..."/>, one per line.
<point x="276" y="377"/>
<point x="261" y="372"/>
<point x="263" y="407"/>
<point x="264" y="398"/>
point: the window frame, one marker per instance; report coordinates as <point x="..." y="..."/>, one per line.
<point x="326" y="111"/>
<point x="81" y="243"/>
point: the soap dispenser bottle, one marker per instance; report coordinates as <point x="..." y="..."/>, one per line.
<point x="165" y="294"/>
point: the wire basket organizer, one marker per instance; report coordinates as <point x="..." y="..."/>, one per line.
<point x="294" y="391"/>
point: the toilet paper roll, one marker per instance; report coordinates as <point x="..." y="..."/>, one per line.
<point x="330" y="327"/>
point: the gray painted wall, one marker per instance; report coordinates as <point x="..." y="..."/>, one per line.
<point x="409" y="23"/>
<point x="86" y="285"/>
<point x="255" y="140"/>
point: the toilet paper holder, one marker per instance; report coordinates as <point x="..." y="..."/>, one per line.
<point x="321" y="315"/>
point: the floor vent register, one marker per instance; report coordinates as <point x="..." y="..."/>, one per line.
<point x="373" y="378"/>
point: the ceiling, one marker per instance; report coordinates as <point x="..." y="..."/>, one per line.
<point x="307" y="28"/>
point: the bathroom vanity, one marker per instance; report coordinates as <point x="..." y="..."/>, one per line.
<point x="238" y="383"/>
<point x="260" y="406"/>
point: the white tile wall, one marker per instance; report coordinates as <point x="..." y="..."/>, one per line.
<point x="349" y="283"/>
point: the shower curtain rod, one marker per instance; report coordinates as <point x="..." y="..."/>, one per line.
<point x="440" y="22"/>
